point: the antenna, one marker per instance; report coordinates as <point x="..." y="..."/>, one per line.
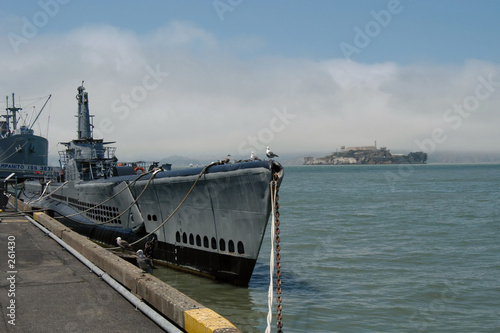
<point x="83" y="114"/>
<point x="39" y="113"/>
<point x="12" y="109"/>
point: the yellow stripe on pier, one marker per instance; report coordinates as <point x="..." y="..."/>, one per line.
<point x="206" y="321"/>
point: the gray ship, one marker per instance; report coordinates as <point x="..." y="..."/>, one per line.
<point x="209" y="220"/>
<point x="21" y="151"/>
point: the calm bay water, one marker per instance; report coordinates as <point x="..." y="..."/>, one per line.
<point x="385" y="248"/>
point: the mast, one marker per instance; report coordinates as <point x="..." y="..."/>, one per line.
<point x="14" y="111"/>
<point x="83" y="114"/>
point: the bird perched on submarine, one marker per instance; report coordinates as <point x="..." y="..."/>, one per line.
<point x="269" y="153"/>
<point x="254" y="157"/>
<point x="123" y="244"/>
<point x="144" y="263"/>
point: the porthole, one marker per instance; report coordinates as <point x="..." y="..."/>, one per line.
<point x="222" y="244"/>
<point x="241" y="248"/>
<point x="184" y="238"/>
<point x="191" y="239"/>
<point x="155" y="218"/>
<point x="205" y="242"/>
<point x="230" y="246"/>
<point x="149" y="217"/>
<point x="178" y="237"/>
<point x="198" y="240"/>
<point x="214" y="243"/>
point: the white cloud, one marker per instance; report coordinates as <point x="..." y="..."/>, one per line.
<point x="215" y="101"/>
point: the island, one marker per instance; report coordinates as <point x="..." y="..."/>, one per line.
<point x="366" y="155"/>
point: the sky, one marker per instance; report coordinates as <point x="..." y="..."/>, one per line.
<point x="196" y="78"/>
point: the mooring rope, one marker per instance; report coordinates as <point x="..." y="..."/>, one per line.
<point x="271" y="262"/>
<point x="155" y="171"/>
<point x="6" y="150"/>
<point x="47" y="195"/>
<point x="88" y="209"/>
<point x="175" y="210"/>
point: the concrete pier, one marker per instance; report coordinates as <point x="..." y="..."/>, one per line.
<point x="53" y="291"/>
<point x="46" y="289"/>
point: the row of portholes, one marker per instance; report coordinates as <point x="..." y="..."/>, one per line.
<point x="152" y="217"/>
<point x="209" y="244"/>
<point x="101" y="213"/>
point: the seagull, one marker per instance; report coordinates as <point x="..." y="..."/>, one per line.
<point x="123" y="244"/>
<point x="144" y="263"/>
<point x="270" y="154"/>
<point x="227" y="160"/>
<point x="253" y="157"/>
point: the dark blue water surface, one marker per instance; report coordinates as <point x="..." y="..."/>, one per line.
<point x="383" y="248"/>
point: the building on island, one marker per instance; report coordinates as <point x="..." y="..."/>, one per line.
<point x="367" y="155"/>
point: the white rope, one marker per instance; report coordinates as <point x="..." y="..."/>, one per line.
<point x="43" y="193"/>
<point x="47" y="195"/>
<point x="271" y="263"/>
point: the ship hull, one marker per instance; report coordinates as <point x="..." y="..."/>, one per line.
<point x="22" y="149"/>
<point x="216" y="232"/>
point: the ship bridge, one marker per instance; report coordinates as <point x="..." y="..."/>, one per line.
<point x="88" y="159"/>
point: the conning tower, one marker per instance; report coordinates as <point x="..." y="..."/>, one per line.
<point x="86" y="158"/>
